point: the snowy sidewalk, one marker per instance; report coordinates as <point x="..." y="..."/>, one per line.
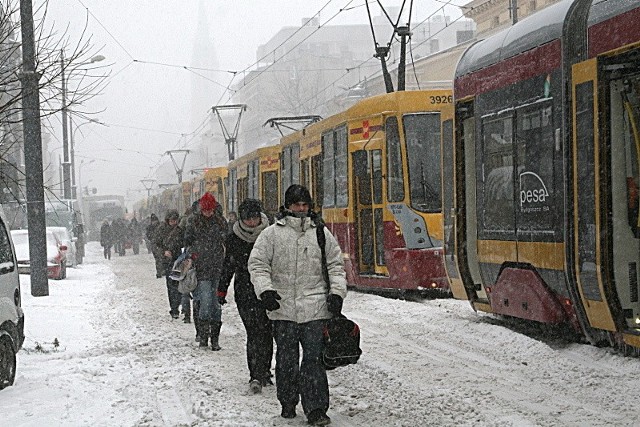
<point x="120" y="360"/>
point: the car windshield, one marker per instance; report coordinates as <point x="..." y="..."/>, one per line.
<point x="61" y="232"/>
<point x="20" y="239"/>
<point x="51" y="239"/>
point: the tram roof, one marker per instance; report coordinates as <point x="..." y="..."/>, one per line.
<point x="533" y="31"/>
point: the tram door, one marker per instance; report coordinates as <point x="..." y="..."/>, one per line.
<point x="589" y="219"/>
<point x="367" y="173"/>
<point x="624" y="115"/>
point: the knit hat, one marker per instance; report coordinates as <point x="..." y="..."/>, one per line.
<point x="297" y="193"/>
<point x="250" y="208"/>
<point x="208" y="202"/>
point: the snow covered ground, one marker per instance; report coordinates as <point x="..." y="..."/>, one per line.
<point x="120" y="360"/>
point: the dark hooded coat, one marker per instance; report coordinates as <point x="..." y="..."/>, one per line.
<point x="204" y="238"/>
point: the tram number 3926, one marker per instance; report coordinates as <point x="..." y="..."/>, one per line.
<point x="441" y="99"/>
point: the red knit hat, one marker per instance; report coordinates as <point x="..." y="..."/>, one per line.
<point x="208" y="202"/>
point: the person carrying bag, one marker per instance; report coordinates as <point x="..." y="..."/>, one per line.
<point x="286" y="271"/>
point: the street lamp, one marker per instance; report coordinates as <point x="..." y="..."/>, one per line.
<point x="66" y="165"/>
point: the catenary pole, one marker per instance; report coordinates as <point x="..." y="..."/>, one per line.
<point x="33" y="155"/>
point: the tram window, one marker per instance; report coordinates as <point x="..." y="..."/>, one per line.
<point x="328" y="171"/>
<point x="252" y="173"/>
<point x="304" y="175"/>
<point x="284" y="170"/>
<point x="395" y="177"/>
<point x="422" y="133"/>
<point x="497" y="187"/>
<point x="535" y="154"/>
<point x="290" y="166"/>
<point x="316" y="180"/>
<point x="632" y="166"/>
<point x="376" y="163"/>
<point x="270" y="191"/>
<point x="342" y="187"/>
<point x="218" y="189"/>
<point x="233" y="190"/>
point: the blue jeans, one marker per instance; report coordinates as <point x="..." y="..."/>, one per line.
<point x="205" y="292"/>
<point x="309" y="378"/>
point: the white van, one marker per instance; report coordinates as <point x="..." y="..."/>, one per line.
<point x="11" y="314"/>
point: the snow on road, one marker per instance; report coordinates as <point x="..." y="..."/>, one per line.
<point x="122" y="361"/>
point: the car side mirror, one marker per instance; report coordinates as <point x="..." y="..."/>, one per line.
<point x="63" y="247"/>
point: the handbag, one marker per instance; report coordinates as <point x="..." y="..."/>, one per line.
<point x="184" y="273"/>
<point x="341" y="335"/>
<point x="189" y="283"/>
<point x="341" y="342"/>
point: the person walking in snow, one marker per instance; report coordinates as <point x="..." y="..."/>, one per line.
<point x="204" y="238"/>
<point x="239" y="244"/>
<point x="169" y="240"/>
<point x="186" y="297"/>
<point x="106" y="239"/>
<point x="149" y="235"/>
<point x="285" y="266"/>
<point x="135" y="234"/>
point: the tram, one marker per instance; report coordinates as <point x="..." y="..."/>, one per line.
<point x="255" y="175"/>
<point x="375" y="173"/>
<point x="542" y="213"/>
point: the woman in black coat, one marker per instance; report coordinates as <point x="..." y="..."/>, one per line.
<point x="106" y="239"/>
<point x="254" y="317"/>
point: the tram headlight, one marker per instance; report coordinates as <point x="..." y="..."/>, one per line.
<point x="637" y="320"/>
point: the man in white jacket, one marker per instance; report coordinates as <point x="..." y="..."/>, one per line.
<point x="286" y="271"/>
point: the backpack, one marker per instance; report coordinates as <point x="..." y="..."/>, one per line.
<point x="341" y="335"/>
<point x="341" y="343"/>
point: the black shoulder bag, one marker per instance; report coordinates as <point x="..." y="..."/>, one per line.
<point x="341" y="335"/>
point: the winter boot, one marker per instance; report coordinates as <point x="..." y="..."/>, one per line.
<point x="204" y="332"/>
<point x="255" y="386"/>
<point x="318" y="417"/>
<point x="215" y="334"/>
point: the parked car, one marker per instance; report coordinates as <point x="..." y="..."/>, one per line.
<point x="11" y="314"/>
<point x="64" y="236"/>
<point x="56" y="258"/>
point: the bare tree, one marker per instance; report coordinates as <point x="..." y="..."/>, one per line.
<point x="57" y="58"/>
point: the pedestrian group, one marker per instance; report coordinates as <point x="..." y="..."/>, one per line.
<point x="279" y="288"/>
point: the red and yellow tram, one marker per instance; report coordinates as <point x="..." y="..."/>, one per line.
<point x="542" y="209"/>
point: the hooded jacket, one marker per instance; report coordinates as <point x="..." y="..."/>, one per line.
<point x="169" y="238"/>
<point x="204" y="237"/>
<point x="286" y="258"/>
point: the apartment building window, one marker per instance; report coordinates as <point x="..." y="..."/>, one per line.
<point x="533" y="6"/>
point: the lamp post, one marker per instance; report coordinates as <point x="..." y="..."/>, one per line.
<point x="66" y="165"/>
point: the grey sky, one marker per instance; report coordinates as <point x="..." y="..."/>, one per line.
<point x="148" y="103"/>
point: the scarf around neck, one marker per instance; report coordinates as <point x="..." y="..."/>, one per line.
<point x="250" y="234"/>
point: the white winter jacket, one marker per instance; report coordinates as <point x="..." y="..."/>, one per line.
<point x="286" y="258"/>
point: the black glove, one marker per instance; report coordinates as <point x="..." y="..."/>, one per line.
<point x="334" y="304"/>
<point x="270" y="300"/>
